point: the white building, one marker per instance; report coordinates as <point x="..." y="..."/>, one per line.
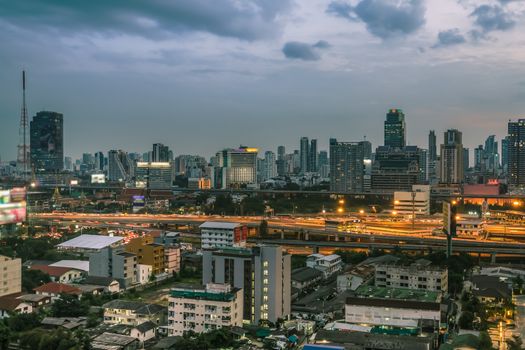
<point x="471" y="226"/>
<point x="201" y="310"/>
<point x="416" y="201"/>
<point x="223" y="234"/>
<point x="327" y="264"/>
<point x="11" y="276"/>
<point x="420" y="275"/>
<point x="144" y="273"/>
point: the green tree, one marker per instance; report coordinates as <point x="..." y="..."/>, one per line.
<point x="485" y="343"/>
<point x="466" y="319"/>
<point x="517" y="283"/>
<point x="5" y="335"/>
<point x="69" y="306"/>
<point x="34" y="278"/>
<point x="23" y="322"/>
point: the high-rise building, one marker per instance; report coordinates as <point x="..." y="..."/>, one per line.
<point x="479" y="162"/>
<point x="397" y="169"/>
<point x="323" y="158"/>
<point x="269" y="170"/>
<point x="346" y="166"/>
<point x="236" y="167"/>
<point x="432" y="149"/>
<point x="466" y="160"/>
<point x="155" y="175"/>
<point x="47" y="142"/>
<point x="304" y="154"/>
<point x="264" y="274"/>
<point x="120" y="166"/>
<point x="281" y="161"/>
<point x="68" y="163"/>
<point x="491" y="155"/>
<point x="516" y="152"/>
<point x="160" y="153"/>
<point x="422" y="164"/>
<point x="313" y="157"/>
<point x="395" y="130"/>
<point x="505" y="154"/>
<point x="99" y="161"/>
<point x="452" y="157"/>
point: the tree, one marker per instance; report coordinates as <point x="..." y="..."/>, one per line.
<point x="5" y="335"/>
<point x="23" y="322"/>
<point x="34" y="278"/>
<point x="515" y="343"/>
<point x="517" y="283"/>
<point x="485" y="343"/>
<point x="465" y="320"/>
<point x="69" y="306"/>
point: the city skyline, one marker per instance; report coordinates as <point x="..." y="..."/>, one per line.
<point x="326" y="69"/>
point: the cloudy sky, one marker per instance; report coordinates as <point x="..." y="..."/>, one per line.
<point x="200" y="75"/>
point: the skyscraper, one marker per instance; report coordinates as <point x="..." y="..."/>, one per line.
<point x="99" y="161"/>
<point x="395" y="130"/>
<point x="516" y="152"/>
<point x="160" y="153"/>
<point x="281" y="161"/>
<point x="466" y="160"/>
<point x="304" y="154"/>
<point x="346" y="166"/>
<point x="452" y="157"/>
<point x="270" y="166"/>
<point x="47" y="142"/>
<point x="313" y="157"/>
<point x="432" y="149"/>
<point x="479" y="162"/>
<point x="120" y="166"/>
<point x="491" y="155"/>
<point x="505" y="154"/>
<point x="236" y="167"/>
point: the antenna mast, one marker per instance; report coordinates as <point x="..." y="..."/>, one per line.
<point x="23" y="149"/>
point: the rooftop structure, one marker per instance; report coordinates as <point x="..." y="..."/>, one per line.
<point x="90" y="242"/>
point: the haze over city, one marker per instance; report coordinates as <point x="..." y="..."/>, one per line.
<point x="200" y="76"/>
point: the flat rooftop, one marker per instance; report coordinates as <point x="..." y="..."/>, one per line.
<point x="220" y="225"/>
<point x="398" y="294"/>
<point x="90" y="242"/>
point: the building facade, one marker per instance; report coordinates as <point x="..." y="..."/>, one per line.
<point x="417" y="276"/>
<point x="47" y="142"/>
<point x="236" y="167"/>
<point x="395" y="129"/>
<point x="148" y="253"/>
<point x="115" y="263"/>
<point x="516" y="152"/>
<point x="415" y="202"/>
<point x="155" y="176"/>
<point x="223" y="234"/>
<point x="201" y="310"/>
<point x="347" y="166"/>
<point x="11" y="276"/>
<point x="452" y="158"/>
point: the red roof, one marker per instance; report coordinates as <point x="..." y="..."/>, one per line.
<point x="55" y="271"/>
<point x="10" y="302"/>
<point x="58" y="288"/>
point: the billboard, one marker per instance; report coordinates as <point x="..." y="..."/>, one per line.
<point x="98" y="178"/>
<point x="12" y="206"/>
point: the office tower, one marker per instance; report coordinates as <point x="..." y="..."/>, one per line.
<point x="395" y="130"/>
<point x="367" y="149"/>
<point x="346" y="166"/>
<point x="505" y="154"/>
<point x="236" y="167"/>
<point x="153" y="175"/>
<point x="23" y="157"/>
<point x="466" y="160"/>
<point x="147" y="156"/>
<point x="47" y="142"/>
<point x="452" y="157"/>
<point x="304" y="154"/>
<point x="516" y="152"/>
<point x="432" y="150"/>
<point x="296" y="162"/>
<point x="120" y="166"/>
<point x="422" y="165"/>
<point x="68" y="163"/>
<point x="269" y="169"/>
<point x="479" y="161"/>
<point x="160" y="153"/>
<point x="323" y="158"/>
<point x="99" y="161"/>
<point x="397" y="169"/>
<point x="263" y="272"/>
<point x="281" y="161"/>
<point x="313" y="157"/>
<point x="491" y="155"/>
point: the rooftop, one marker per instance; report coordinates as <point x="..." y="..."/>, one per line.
<point x="82" y="265"/>
<point x="99" y="280"/>
<point x="304" y="274"/>
<point x="138" y="307"/>
<point x="89" y="242"/>
<point x="203" y="294"/>
<point x="220" y="225"/>
<point x="55" y="271"/>
<point x="398" y="294"/>
<point x="57" y="288"/>
<point x="114" y="339"/>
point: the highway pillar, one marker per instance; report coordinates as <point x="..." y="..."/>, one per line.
<point x="493" y="258"/>
<point x="336" y="237"/>
<point x="315" y="250"/>
<point x="282" y="234"/>
<point x="306" y="236"/>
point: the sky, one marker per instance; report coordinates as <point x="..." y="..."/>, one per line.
<point x="202" y="75"/>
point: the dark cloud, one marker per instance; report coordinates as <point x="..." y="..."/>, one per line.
<point x="491" y="18"/>
<point x="450" y="37"/>
<point x="322" y="44"/>
<point x="250" y="20"/>
<point x="301" y="51"/>
<point x="384" y="18"/>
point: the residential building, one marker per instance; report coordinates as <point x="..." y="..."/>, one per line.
<point x="347" y="166"/>
<point x="203" y="309"/>
<point x="375" y="306"/>
<point x="10" y="304"/>
<point x="262" y="272"/>
<point x="60" y="274"/>
<point x="155" y="176"/>
<point x="114" y="341"/>
<point x="115" y="263"/>
<point x="304" y="154"/>
<point x="55" y="289"/>
<point x="395" y="129"/>
<point x="327" y="264"/>
<point x="489" y="289"/>
<point x="223" y="234"/>
<point x="148" y="253"/>
<point x="11" y="276"/>
<point x="133" y="313"/>
<point x="144" y="273"/>
<point x="452" y="158"/>
<point x="47" y="142"/>
<point x="269" y="170"/>
<point x="236" y="168"/>
<point x="281" y="161"/>
<point x="144" y="331"/>
<point x="516" y="152"/>
<point x="355" y="278"/>
<point x="172" y="258"/>
<point x="161" y="153"/>
<point x="306" y="277"/>
<point x="415" y="202"/>
<point x="110" y="285"/>
<point x="420" y="275"/>
<point x="313" y="157"/>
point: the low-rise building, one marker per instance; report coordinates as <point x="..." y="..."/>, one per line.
<point x="113" y="341"/>
<point x="36" y="300"/>
<point x="144" y="273"/>
<point x="148" y="253"/>
<point x="355" y="277"/>
<point x="144" y="331"/>
<point x="203" y="309"/>
<point x="133" y="313"/>
<point x="10" y="304"/>
<point x="305" y="277"/>
<point x="223" y="234"/>
<point x="172" y="258"/>
<point x="415" y="202"/>
<point x="470" y="226"/>
<point x="419" y="275"/>
<point x="54" y="289"/>
<point x="489" y="289"/>
<point x="60" y="274"/>
<point x="114" y="263"/>
<point x="109" y="284"/>
<point x="327" y="264"/>
<point x="11" y="276"/>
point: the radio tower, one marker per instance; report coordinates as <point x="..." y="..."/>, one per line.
<point x="23" y="149"/>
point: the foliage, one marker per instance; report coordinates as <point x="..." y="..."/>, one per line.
<point x="41" y="339"/>
<point x="220" y="338"/>
<point x="69" y="306"/>
<point x="23" y="322"/>
<point x="351" y="257"/>
<point x="33" y="278"/>
<point x="485" y="343"/>
<point x="466" y="320"/>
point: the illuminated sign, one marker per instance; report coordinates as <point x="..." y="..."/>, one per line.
<point x="98" y="178"/>
<point x="12" y="206"/>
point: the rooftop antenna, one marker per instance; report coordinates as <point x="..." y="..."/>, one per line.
<point x="23" y="149"/>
